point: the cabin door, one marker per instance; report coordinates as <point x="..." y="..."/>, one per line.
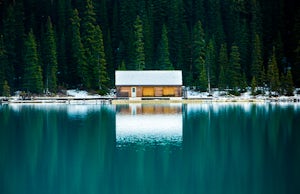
<point x="133" y="92"/>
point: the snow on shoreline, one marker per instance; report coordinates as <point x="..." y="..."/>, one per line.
<point x="190" y="94"/>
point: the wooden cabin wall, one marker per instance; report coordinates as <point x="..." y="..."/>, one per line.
<point x="150" y="91"/>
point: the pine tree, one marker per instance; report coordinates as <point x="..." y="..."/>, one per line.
<point x="253" y="86"/>
<point x="3" y="62"/>
<point x="6" y="89"/>
<point x="88" y="28"/>
<point x="62" y="60"/>
<point x="122" y="66"/>
<point x="222" y="79"/>
<point x="203" y="79"/>
<point x="100" y="73"/>
<point x="148" y="36"/>
<point x="289" y="83"/>
<point x="257" y="60"/>
<point x="224" y="67"/>
<point x="213" y="21"/>
<point x="198" y="49"/>
<point x="175" y="25"/>
<point x="32" y="79"/>
<point x="211" y="63"/>
<point x="235" y="67"/>
<point x="49" y="58"/>
<point x="110" y="67"/>
<point x="78" y="68"/>
<point x="9" y="32"/>
<point x="163" y="61"/>
<point x="139" y="60"/>
<point x="273" y="73"/>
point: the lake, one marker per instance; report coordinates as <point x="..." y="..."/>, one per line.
<point x="127" y="149"/>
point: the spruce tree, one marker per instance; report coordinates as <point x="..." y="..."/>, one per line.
<point x="222" y="79"/>
<point x="224" y="67"/>
<point x="10" y="33"/>
<point x="100" y="73"/>
<point x="139" y="60"/>
<point x="163" y="61"/>
<point x="273" y="73"/>
<point x="32" y="79"/>
<point x="253" y="86"/>
<point x="211" y="63"/>
<point x="49" y="58"/>
<point x="78" y="68"/>
<point x="110" y="67"/>
<point x="213" y="22"/>
<point x="257" y="60"/>
<point x="203" y="79"/>
<point x="198" y="49"/>
<point x="6" y="89"/>
<point x="235" y="76"/>
<point x="289" y="83"/>
<point x="148" y="36"/>
<point x="88" y="28"/>
<point x="122" y="66"/>
<point x="3" y="63"/>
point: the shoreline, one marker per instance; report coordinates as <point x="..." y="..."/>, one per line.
<point x="113" y="100"/>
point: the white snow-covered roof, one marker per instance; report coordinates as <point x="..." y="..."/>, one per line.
<point x="149" y="78"/>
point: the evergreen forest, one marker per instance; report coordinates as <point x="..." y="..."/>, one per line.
<point x="49" y="45"/>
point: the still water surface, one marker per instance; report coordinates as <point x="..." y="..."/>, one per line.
<point x="203" y="148"/>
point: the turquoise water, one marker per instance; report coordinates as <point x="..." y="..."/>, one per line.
<point x="203" y="148"/>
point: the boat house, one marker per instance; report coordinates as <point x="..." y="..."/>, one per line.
<point x="149" y="83"/>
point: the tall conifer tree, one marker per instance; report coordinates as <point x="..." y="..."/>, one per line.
<point x="163" y="61"/>
<point x="88" y="28"/>
<point x="32" y="79"/>
<point x="9" y="32"/>
<point x="235" y="75"/>
<point x="224" y="67"/>
<point x="198" y="51"/>
<point x="3" y="63"/>
<point x="257" y="60"/>
<point x="273" y="73"/>
<point x="139" y="60"/>
<point x="49" y="58"/>
<point x="78" y="68"/>
<point x="99" y="72"/>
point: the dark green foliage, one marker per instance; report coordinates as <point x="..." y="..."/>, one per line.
<point x="78" y="68"/>
<point x="3" y="63"/>
<point x="49" y="58"/>
<point x="6" y="89"/>
<point x="203" y="79"/>
<point x="289" y="83"/>
<point x="32" y="79"/>
<point x="100" y="73"/>
<point x="254" y="26"/>
<point x="224" y="67"/>
<point x="211" y="63"/>
<point x="198" y="51"/>
<point x="257" y="60"/>
<point x="273" y="74"/>
<point x="163" y="61"/>
<point x="89" y="43"/>
<point x="122" y="66"/>
<point x="296" y="49"/>
<point x="222" y="79"/>
<point x="234" y="72"/>
<point x="9" y="32"/>
<point x="253" y="86"/>
<point x="139" y="59"/>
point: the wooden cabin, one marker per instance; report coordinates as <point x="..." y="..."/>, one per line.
<point x="149" y="83"/>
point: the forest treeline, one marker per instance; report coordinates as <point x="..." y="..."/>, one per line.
<point x="47" y="45"/>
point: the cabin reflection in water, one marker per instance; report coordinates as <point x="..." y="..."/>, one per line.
<point x="148" y="124"/>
